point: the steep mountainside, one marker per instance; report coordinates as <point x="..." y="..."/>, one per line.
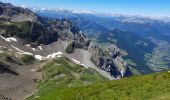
<point x="39" y="33"/>
<point x="9" y="12"/>
<point x="144" y="31"/>
<point x="49" y="57"/>
<point x="89" y="27"/>
<point x="41" y="39"/>
<point x="135" y="45"/>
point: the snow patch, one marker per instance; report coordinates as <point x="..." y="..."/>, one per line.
<point x="2" y="47"/>
<point x="83" y="12"/>
<point x="40" y="48"/>
<point x="53" y="55"/>
<point x="33" y="49"/>
<point x="122" y="73"/>
<point x="12" y="39"/>
<point x="20" y="51"/>
<point x="78" y="62"/>
<point x="39" y="57"/>
<point x="32" y="70"/>
<point x="84" y="65"/>
<point x="27" y="45"/>
<point x="59" y="56"/>
<point x="9" y="39"/>
<point x="50" y="56"/>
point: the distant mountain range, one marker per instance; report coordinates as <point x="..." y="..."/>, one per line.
<point x="136" y="35"/>
<point x="29" y="41"/>
<point x="75" y="12"/>
<point x="54" y="54"/>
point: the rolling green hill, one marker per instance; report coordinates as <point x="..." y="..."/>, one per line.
<point x="63" y="80"/>
<point x="147" y="87"/>
<point x="61" y="73"/>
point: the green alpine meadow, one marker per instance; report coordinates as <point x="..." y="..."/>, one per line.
<point x="84" y="50"/>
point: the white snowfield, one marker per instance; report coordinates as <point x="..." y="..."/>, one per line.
<point x="40" y="48"/>
<point x="32" y="70"/>
<point x="53" y="55"/>
<point x="50" y="56"/>
<point x="20" y="51"/>
<point x="27" y="45"/>
<point x="78" y="62"/>
<point x="9" y="39"/>
<point x="2" y="47"/>
<point x="122" y="72"/>
<point x="33" y="49"/>
<point x="39" y="57"/>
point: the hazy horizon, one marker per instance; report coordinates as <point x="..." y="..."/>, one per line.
<point x="154" y="8"/>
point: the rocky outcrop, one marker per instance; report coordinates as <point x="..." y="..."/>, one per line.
<point x="110" y="61"/>
<point x="6" y="69"/>
<point x="12" y="13"/>
<point x="67" y="31"/>
<point x="36" y="30"/>
<point x="30" y="32"/>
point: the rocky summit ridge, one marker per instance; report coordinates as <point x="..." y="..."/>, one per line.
<point x="24" y="32"/>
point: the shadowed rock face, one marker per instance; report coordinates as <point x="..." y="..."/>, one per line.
<point x="6" y="69"/>
<point x="16" y="14"/>
<point x="36" y="30"/>
<point x="1" y="10"/>
<point x="110" y="61"/>
<point x="67" y="31"/>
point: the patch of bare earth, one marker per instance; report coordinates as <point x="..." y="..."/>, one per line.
<point x="20" y="85"/>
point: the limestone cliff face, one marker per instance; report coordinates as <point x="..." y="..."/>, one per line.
<point x="110" y="61"/>
<point x="67" y="31"/>
<point x="12" y="13"/>
<point x="36" y="30"/>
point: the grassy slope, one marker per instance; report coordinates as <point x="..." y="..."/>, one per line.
<point x="147" y="87"/>
<point x="61" y="73"/>
<point x="12" y="58"/>
<point x="64" y="80"/>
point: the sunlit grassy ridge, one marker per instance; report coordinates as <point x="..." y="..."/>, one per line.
<point x="146" y="87"/>
<point x="64" y="80"/>
<point x="61" y="73"/>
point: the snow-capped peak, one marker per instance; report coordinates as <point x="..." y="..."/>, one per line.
<point x="83" y="12"/>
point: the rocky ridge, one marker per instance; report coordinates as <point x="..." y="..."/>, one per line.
<point x="31" y="29"/>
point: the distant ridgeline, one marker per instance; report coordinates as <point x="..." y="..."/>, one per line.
<point x="58" y="34"/>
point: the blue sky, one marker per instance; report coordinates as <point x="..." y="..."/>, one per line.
<point x="132" y="7"/>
